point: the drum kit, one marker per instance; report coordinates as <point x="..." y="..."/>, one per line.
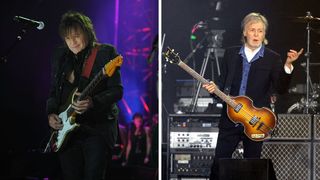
<point x="310" y="103"/>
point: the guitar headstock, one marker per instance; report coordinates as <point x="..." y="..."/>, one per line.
<point x="112" y="65"/>
<point x="171" y="56"/>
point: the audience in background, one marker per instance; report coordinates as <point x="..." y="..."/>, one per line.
<point x="139" y="142"/>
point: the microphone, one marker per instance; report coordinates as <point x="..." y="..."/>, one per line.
<point x="37" y="24"/>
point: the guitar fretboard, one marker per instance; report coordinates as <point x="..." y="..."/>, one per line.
<point x="217" y="91"/>
<point x="89" y="89"/>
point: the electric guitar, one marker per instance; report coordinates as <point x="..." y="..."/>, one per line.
<point x="68" y="116"/>
<point x="258" y="122"/>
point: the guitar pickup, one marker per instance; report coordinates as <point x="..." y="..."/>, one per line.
<point x="253" y="121"/>
<point x="238" y="107"/>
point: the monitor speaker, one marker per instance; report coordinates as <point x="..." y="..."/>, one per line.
<point x="246" y="169"/>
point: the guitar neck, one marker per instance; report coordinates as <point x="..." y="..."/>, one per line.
<point x="89" y="89"/>
<point x="217" y="91"/>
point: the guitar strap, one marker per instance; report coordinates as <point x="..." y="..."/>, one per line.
<point x="89" y="62"/>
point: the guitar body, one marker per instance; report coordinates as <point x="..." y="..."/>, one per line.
<point x="69" y="125"/>
<point x="68" y="122"/>
<point x="258" y="122"/>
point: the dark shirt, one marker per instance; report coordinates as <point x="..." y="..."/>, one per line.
<point x="138" y="146"/>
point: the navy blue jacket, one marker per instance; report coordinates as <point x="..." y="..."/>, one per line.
<point x="266" y="76"/>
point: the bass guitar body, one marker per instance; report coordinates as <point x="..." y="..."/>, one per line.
<point x="258" y="122"/>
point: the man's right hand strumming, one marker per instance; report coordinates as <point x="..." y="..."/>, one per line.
<point x="55" y="121"/>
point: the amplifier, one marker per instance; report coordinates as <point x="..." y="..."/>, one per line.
<point x="202" y="102"/>
<point x="191" y="144"/>
<point x="192" y="131"/>
<point x="191" y="164"/>
<point x="293" y="127"/>
<point x="185" y="140"/>
<point x="203" y="105"/>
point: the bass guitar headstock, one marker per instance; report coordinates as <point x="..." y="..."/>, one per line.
<point x="171" y="56"/>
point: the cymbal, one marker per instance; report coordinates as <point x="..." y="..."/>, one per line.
<point x="314" y="64"/>
<point x="306" y="19"/>
<point x="310" y="64"/>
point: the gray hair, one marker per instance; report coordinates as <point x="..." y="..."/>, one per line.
<point x="256" y="17"/>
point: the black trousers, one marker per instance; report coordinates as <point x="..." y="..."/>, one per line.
<point x="86" y="157"/>
<point x="228" y="140"/>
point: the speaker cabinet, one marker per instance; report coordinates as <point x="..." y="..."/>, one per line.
<point x="291" y="160"/>
<point x="246" y="169"/>
<point x="293" y="127"/>
<point x="316" y="160"/>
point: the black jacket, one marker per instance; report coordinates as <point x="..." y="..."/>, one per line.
<point x="102" y="117"/>
<point x="266" y="76"/>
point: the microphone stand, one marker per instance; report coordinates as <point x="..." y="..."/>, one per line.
<point x="307" y="54"/>
<point x="198" y="46"/>
<point x="4" y="58"/>
<point x="204" y="65"/>
<point x="211" y="49"/>
<point x="202" y="71"/>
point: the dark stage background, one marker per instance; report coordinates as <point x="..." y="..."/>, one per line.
<point x="180" y="16"/>
<point x="179" y="19"/>
<point x="131" y="26"/>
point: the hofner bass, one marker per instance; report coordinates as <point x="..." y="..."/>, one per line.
<point x="258" y="122"/>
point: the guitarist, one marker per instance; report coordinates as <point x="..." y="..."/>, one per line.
<point x="252" y="70"/>
<point x="88" y="149"/>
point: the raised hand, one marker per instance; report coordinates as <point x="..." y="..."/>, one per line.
<point x="292" y="56"/>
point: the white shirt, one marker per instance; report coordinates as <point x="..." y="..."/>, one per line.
<point x="250" y="54"/>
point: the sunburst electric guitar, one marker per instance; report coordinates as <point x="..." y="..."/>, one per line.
<point x="68" y="116"/>
<point x="258" y="122"/>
